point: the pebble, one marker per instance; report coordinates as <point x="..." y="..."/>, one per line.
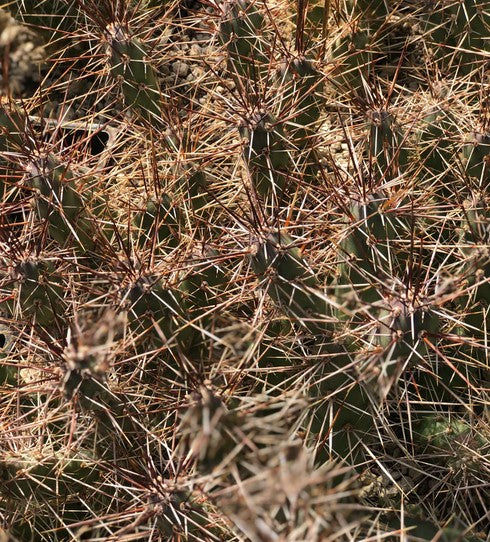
<point x="197" y="71"/>
<point x="181" y="69"/>
<point x="196" y="50"/>
<point x="416" y="475"/>
<point x="396" y="475"/>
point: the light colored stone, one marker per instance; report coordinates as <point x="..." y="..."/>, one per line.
<point x="181" y="69"/>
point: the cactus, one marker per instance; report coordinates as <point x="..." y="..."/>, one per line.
<point x="461" y="28"/>
<point x="441" y="433"/>
<point x="266" y="154"/>
<point x="219" y="310"/>
<point x="290" y="283"/>
<point x="12" y="128"/>
<point x="303" y="87"/>
<point x="354" y="57"/>
<point x="474" y="238"/>
<point x="386" y="146"/>
<point x="129" y="65"/>
<point x="477" y="159"/>
<point x="40" y="294"/>
<point x="49" y="477"/>
<point x="53" y="182"/>
<point x="13" y="125"/>
<point x="240" y="30"/>
<point x="401" y="330"/>
<point x="436" y="144"/>
<point x="158" y="312"/>
<point x="59" y="202"/>
<point x="195" y="187"/>
<point x="211" y="445"/>
<point x="8" y="371"/>
<point x="158" y="224"/>
<point x="368" y="253"/>
<point x="455" y="447"/>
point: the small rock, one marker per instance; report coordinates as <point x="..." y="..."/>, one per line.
<point x="196" y="50"/>
<point x="181" y="69"/>
<point x="197" y="71"/>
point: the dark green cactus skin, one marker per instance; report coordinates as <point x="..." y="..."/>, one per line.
<point x="179" y="321"/>
<point x="370" y="9"/>
<point x="53" y="19"/>
<point x="301" y="86"/>
<point x="418" y="529"/>
<point x="183" y="515"/>
<point x="356" y="60"/>
<point x="459" y="31"/>
<point x="276" y="365"/>
<point x="240" y="30"/>
<point x="40" y="293"/>
<point x="368" y="252"/>
<point x="202" y="291"/>
<point x="439" y="432"/>
<point x="12" y="129"/>
<point x="399" y="340"/>
<point x="58" y="201"/>
<point x="304" y="85"/>
<point x="314" y="22"/>
<point x="209" y="450"/>
<point x="402" y="334"/>
<point x="386" y="146"/>
<point x="204" y="284"/>
<point x="477" y="159"/>
<point x="57" y="480"/>
<point x="474" y="303"/>
<point x="88" y="384"/>
<point x="8" y="371"/>
<point x="159" y="223"/>
<point x="453" y="445"/>
<point x="401" y="331"/>
<point x="54" y="184"/>
<point x="196" y="185"/>
<point x="290" y="283"/>
<point x="199" y="204"/>
<point x="163" y="220"/>
<point x="154" y="308"/>
<point x="436" y="141"/>
<point x="295" y="290"/>
<point x="130" y="66"/>
<point x="266" y="154"/>
<point x="49" y="478"/>
<point x="475" y="238"/>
